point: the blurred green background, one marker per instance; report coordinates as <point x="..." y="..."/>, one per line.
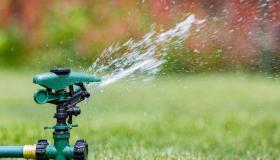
<point x="236" y="35"/>
<point x="218" y="98"/>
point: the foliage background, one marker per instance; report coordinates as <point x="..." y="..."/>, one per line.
<point x="237" y="34"/>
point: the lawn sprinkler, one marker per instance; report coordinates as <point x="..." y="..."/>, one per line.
<point x="65" y="89"/>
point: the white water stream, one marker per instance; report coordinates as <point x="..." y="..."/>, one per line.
<point x="140" y="59"/>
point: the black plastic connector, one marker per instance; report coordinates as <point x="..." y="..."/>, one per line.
<point x="81" y="150"/>
<point x="41" y="149"/>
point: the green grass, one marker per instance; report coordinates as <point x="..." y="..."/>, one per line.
<point x="225" y="116"/>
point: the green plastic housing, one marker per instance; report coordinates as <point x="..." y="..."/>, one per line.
<point x="60" y="82"/>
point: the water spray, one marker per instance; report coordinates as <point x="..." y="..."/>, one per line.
<point x="65" y="89"/>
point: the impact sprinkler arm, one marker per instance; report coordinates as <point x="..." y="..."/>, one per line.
<point x="76" y="98"/>
<point x="70" y="105"/>
<point x="65" y="89"/>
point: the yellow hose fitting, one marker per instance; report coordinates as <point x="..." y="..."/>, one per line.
<point x="29" y="151"/>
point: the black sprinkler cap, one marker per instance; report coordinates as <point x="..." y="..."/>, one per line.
<point x="60" y="71"/>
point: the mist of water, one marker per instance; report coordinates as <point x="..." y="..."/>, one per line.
<point x="141" y="59"/>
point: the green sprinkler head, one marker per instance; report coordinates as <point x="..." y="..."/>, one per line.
<point x="59" y="80"/>
<point x="63" y="88"/>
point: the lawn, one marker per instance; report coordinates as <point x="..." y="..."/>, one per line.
<point x="210" y="116"/>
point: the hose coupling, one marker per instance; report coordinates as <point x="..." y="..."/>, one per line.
<point x="29" y="151"/>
